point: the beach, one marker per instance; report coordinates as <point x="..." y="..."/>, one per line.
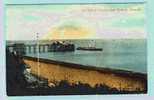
<point x="55" y="72"/>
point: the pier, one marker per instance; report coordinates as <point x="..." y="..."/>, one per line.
<point x="29" y="48"/>
<point x="55" y="46"/>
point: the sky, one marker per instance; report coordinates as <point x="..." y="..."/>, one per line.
<point x="65" y="21"/>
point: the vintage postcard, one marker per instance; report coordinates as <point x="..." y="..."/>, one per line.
<point x="76" y="49"/>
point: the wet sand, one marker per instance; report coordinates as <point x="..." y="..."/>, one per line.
<point x="73" y="73"/>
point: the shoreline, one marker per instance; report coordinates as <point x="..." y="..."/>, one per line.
<point x="74" y="73"/>
<point x="87" y="67"/>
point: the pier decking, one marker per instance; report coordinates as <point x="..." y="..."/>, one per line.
<point x="32" y="48"/>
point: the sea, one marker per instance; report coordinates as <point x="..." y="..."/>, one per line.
<point x="121" y="54"/>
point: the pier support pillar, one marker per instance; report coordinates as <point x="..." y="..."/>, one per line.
<point x="43" y="48"/>
<point x="39" y="49"/>
<point x="29" y="49"/>
<point x="34" y="48"/>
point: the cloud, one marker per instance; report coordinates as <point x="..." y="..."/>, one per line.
<point x="23" y="22"/>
